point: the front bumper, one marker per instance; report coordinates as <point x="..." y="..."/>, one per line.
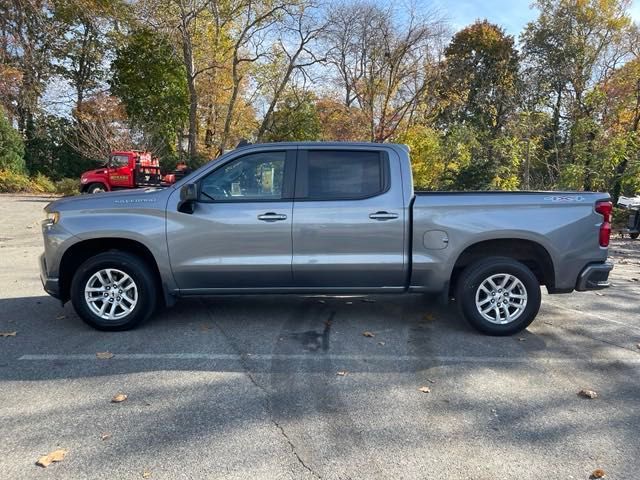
<point x="51" y="285"/>
<point x="594" y="277"/>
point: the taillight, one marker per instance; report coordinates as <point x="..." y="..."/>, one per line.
<point x="606" y="210"/>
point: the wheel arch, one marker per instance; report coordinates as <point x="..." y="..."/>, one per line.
<point x="535" y="256"/>
<point x="79" y="252"/>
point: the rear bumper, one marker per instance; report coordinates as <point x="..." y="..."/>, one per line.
<point x="594" y="277"/>
<point x="51" y="285"/>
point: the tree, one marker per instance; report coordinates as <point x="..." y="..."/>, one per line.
<point x="81" y="52"/>
<point x="28" y="35"/>
<point x="292" y="55"/>
<point x="382" y="61"/>
<point x="480" y="85"/>
<point x="568" y="49"/>
<point x="252" y="22"/>
<point x="102" y="128"/>
<point x="295" y="118"/>
<point x="340" y="122"/>
<point x="151" y="82"/>
<point x="479" y="90"/>
<point x="11" y="146"/>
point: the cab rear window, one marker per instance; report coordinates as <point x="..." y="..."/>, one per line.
<point x="342" y="174"/>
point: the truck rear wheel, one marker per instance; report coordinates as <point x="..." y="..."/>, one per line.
<point x="96" y="188"/>
<point x="499" y="295"/>
<point x="113" y="291"/>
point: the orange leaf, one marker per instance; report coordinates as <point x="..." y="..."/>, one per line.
<point x="120" y="397"/>
<point x="55" y="456"/>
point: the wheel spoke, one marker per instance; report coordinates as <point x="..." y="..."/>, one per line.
<point x="482" y="302"/>
<point x="488" y="309"/>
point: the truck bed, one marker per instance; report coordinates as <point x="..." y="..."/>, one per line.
<point x="445" y="224"/>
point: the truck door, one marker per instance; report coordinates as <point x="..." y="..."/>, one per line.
<point x="349" y="219"/>
<point x="239" y="234"/>
<point x="120" y="171"/>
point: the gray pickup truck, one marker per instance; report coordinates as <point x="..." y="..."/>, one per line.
<point x="321" y="218"/>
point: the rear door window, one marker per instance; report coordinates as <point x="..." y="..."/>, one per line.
<point x="341" y="174"/>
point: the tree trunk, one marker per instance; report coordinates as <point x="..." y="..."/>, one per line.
<point x="187" y="53"/>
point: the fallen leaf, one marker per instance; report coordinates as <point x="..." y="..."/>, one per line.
<point x="341" y="373"/>
<point x="368" y="334"/>
<point x="430" y="380"/>
<point x="104" y="355"/>
<point x="8" y="334"/>
<point x="60" y="317"/>
<point x="598" y="473"/>
<point x="381" y="343"/>
<point x="548" y="323"/>
<point x="55" y="456"/>
<point x="105" y="436"/>
<point x="120" y="397"/>
<point x="204" y="327"/>
<point x="425" y="389"/>
<point x="588" y="393"/>
<point x="428" y="317"/>
<point x="146" y="474"/>
<point x="600" y="294"/>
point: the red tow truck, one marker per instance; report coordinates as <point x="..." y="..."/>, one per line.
<point x="128" y="169"/>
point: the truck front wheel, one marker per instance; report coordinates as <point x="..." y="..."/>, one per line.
<point x="96" y="188"/>
<point x="113" y="291"/>
<point x="499" y="295"/>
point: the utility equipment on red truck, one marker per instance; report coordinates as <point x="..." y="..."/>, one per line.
<point x="123" y="170"/>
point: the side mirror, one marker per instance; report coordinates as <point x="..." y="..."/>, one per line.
<point x="188" y="198"/>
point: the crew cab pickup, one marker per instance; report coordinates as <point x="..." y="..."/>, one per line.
<point x="321" y="218"/>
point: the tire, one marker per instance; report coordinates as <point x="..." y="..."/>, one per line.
<point x="523" y="289"/>
<point x="133" y="304"/>
<point x="634" y="235"/>
<point x="96" y="188"/>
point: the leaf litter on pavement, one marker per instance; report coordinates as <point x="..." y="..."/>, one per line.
<point x="55" y="456"/>
<point x="119" y="398"/>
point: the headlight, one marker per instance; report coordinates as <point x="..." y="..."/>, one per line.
<point x="52" y="218"/>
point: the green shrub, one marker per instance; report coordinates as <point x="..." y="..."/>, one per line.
<point x="68" y="187"/>
<point x="42" y="184"/>
<point x="13" y="182"/>
<point x="11" y="146"/>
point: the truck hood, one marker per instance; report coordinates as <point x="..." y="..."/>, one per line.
<point x="93" y="173"/>
<point x="147" y="197"/>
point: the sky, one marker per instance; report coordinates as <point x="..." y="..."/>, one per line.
<point x="512" y="15"/>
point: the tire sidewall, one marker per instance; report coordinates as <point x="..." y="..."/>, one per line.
<point x="133" y="267"/>
<point x="475" y="274"/>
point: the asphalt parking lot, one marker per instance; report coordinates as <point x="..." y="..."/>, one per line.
<point x="289" y="387"/>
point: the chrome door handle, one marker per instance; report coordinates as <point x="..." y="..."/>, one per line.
<point x="272" y="217"/>
<point x="383" y="216"/>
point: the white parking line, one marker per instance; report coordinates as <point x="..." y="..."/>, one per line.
<point x="345" y="358"/>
